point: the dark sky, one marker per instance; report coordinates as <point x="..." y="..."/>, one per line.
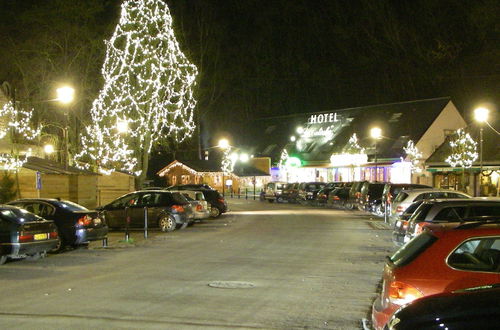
<point x="267" y="58"/>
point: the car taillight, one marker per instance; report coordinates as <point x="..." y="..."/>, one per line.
<point x="25" y="237"/>
<point x="401" y="293"/>
<point x="336" y="198"/>
<point x="357" y="194"/>
<point x="199" y="208"/>
<point x="177" y="208"/>
<point x="53" y="234"/>
<point x="84" y="221"/>
<point x="399" y="209"/>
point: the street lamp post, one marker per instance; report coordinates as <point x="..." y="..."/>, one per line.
<point x="481" y="116"/>
<point x="376" y="134"/>
<point x="65" y="95"/>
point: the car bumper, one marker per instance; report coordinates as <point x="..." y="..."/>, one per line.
<point x="86" y="235"/>
<point x="201" y="215"/>
<point x="380" y="315"/>
<point x="181" y="219"/>
<point x="20" y="250"/>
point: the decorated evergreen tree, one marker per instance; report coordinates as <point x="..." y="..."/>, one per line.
<point x="148" y="87"/>
<point x="414" y="156"/>
<point x="463" y="152"/>
<point x="352" y="147"/>
<point x="18" y="127"/>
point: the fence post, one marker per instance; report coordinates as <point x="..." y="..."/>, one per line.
<point x="239" y="192"/>
<point x="105" y="242"/>
<point x="127" y="222"/>
<point x="145" y="222"/>
<point x="246" y="193"/>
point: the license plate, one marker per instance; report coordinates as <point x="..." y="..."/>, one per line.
<point x="39" y="237"/>
<point x="97" y="221"/>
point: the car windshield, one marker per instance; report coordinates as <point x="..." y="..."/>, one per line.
<point x="18" y="215"/>
<point x="412" y="249"/>
<point x="70" y="206"/>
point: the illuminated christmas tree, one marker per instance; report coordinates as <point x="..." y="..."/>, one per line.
<point x="414" y="156"/>
<point x="352" y="147"/>
<point x="18" y="126"/>
<point x="463" y="150"/>
<point x="148" y="88"/>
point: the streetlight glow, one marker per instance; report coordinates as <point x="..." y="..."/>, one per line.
<point x="481" y="114"/>
<point x="48" y="149"/>
<point x="376" y="133"/>
<point x="65" y="94"/>
<point x="234" y="157"/>
<point x="223" y="143"/>
<point x="244" y="158"/>
<point x="293" y="138"/>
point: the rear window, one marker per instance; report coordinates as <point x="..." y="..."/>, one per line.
<point x="18" y="215"/>
<point x="485" y="210"/>
<point x="451" y="214"/>
<point x="280" y="186"/>
<point x="421" y="213"/>
<point x="477" y="255"/>
<point x="412" y="249"/>
<point x="401" y="197"/>
<point x="179" y="199"/>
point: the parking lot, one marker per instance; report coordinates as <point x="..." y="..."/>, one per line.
<point x="261" y="265"/>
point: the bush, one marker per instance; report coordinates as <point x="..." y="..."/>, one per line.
<point x="7" y="188"/>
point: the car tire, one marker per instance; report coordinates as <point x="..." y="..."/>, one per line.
<point x="61" y="246"/>
<point x="3" y="259"/>
<point x="215" y="212"/>
<point x="166" y="224"/>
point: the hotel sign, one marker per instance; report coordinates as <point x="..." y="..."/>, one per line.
<point x="323" y="118"/>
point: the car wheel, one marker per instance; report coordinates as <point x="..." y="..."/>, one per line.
<point x="3" y="259"/>
<point x="214" y="212"/>
<point x="166" y="224"/>
<point x="61" y="246"/>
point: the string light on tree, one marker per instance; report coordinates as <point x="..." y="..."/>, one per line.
<point x="19" y="125"/>
<point x="414" y="156"/>
<point x="463" y="150"/>
<point x="148" y="83"/>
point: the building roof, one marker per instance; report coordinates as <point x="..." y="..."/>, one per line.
<point x="399" y="122"/>
<point x="201" y="166"/>
<point x="50" y="167"/>
<point x="491" y="148"/>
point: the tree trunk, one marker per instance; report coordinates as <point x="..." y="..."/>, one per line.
<point x="144" y="158"/>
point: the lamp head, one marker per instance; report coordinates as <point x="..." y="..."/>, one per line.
<point x="223" y="144"/>
<point x="48" y="149"/>
<point x="481" y="114"/>
<point x="65" y="94"/>
<point x="376" y="133"/>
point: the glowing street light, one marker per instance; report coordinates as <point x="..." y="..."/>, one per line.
<point x="65" y="94"/>
<point x="376" y="133"/>
<point x="244" y="157"/>
<point x="481" y="114"/>
<point x="223" y="144"/>
<point x="293" y="138"/>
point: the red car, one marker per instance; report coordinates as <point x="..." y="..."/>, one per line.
<point x="441" y="259"/>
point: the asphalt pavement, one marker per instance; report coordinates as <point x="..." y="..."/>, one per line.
<point x="260" y="266"/>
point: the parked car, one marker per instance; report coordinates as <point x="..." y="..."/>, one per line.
<point x="391" y="190"/>
<point x="165" y="210"/>
<point x="24" y="234"/>
<point x="76" y="224"/>
<point x="438" y="260"/>
<point x="451" y="210"/>
<point x="406" y="197"/>
<point x="471" y="308"/>
<point x="290" y="192"/>
<point x="198" y="203"/>
<point x="339" y="197"/>
<point x="354" y="194"/>
<point x="309" y="190"/>
<point x="322" y="195"/>
<point x="401" y="225"/>
<point x="370" y="199"/>
<point x="218" y="204"/>
<point x="274" y="191"/>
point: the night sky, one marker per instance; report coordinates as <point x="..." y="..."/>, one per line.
<point x="259" y="59"/>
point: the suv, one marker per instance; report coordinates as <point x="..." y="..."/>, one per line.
<point x="218" y="204"/>
<point x="166" y="210"/>
<point x="290" y="192"/>
<point x="451" y="210"/>
<point x="309" y="190"/>
<point x="438" y="260"/>
<point x="354" y="194"/>
<point x="370" y="199"/>
<point x="406" y="197"/>
<point x="274" y="191"/>
<point x="391" y="190"/>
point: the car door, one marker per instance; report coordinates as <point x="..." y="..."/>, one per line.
<point x="115" y="212"/>
<point x="151" y="201"/>
<point x="5" y="236"/>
